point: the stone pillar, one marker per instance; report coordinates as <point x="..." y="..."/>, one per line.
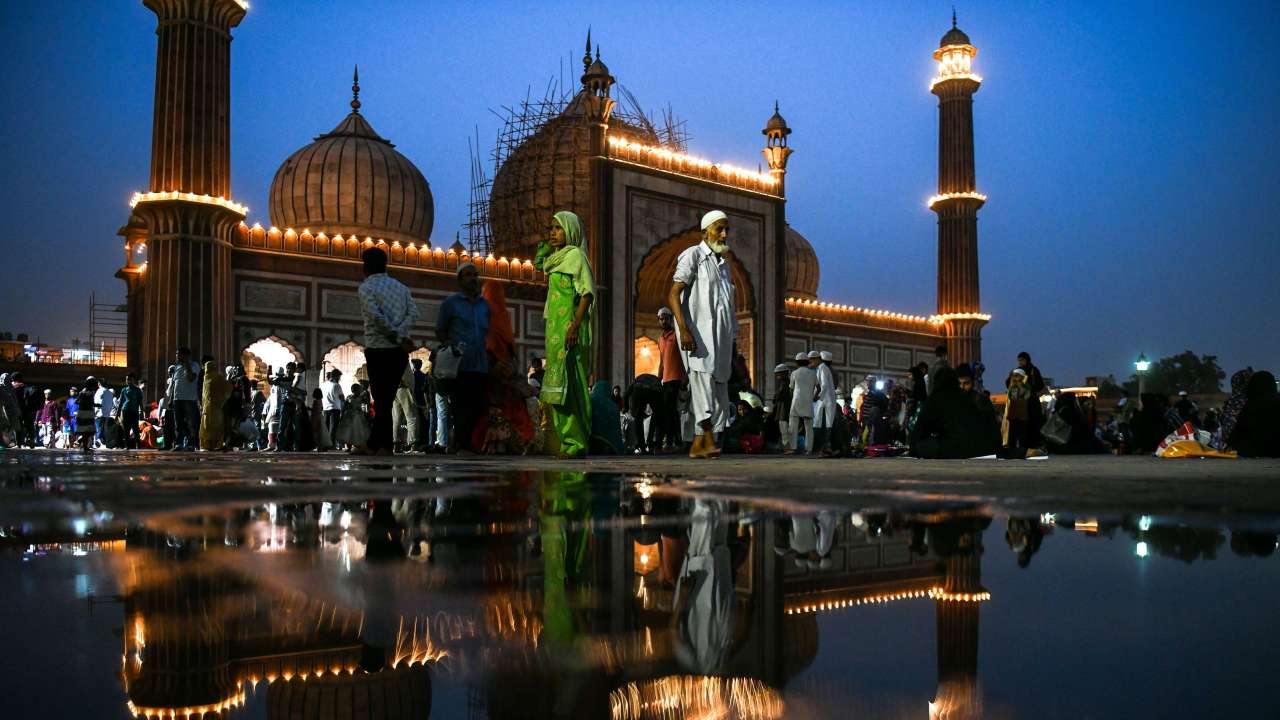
<point x="188" y="298"/>
<point x="958" y="200"/>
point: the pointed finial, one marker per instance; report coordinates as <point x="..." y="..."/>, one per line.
<point x="355" y="89"/>
<point x="597" y="51"/>
<point x="775" y="107"/>
<point x="586" y="56"/>
<point x="953" y="16"/>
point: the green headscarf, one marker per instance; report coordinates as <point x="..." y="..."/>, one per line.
<point x="570" y="259"/>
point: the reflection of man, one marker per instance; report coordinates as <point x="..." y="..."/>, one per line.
<point x="702" y="297"/>
<point x="672" y="373"/>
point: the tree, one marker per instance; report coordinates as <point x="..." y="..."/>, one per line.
<point x="1184" y="371"/>
<point x="1110" y="388"/>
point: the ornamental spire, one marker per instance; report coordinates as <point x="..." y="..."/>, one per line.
<point x="355" y="90"/>
<point x="586" y="55"/>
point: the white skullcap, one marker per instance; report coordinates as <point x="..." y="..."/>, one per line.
<point x="713" y="216"/>
<point x="1020" y="371"/>
<point x="800" y="357"/>
<point x="781" y="367"/>
<point x="826" y="355"/>
<point x="665" y="311"/>
<point x="813" y="354"/>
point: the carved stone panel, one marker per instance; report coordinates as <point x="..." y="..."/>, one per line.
<point x="274" y="298"/>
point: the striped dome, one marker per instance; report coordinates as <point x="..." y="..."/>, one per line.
<point x="351" y="181"/>
<point x="802" y="267"/>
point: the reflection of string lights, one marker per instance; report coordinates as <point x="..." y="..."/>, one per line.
<point x="940" y="594"/>
<point x="235" y="700"/>
<point x="853" y="602"/>
<point x="696" y="696"/>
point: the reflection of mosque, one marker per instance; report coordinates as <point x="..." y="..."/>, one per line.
<point x="602" y="598"/>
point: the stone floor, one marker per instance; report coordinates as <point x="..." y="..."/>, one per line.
<point x="138" y="482"/>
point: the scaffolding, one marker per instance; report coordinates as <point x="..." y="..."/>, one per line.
<point x="108" y="331"/>
<point x="521" y="121"/>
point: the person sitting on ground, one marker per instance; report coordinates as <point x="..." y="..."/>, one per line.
<point x="746" y="433"/>
<point x="1082" y="440"/>
<point x="950" y="425"/>
<point x="1257" y="431"/>
<point x="606" y="421"/>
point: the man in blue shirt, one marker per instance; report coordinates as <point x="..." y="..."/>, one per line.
<point x="464" y="324"/>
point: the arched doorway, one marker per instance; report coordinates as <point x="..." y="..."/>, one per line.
<point x="264" y="355"/>
<point x="653" y="283"/>
<point x="349" y="358"/>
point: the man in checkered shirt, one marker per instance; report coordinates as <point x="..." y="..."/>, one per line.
<point x="389" y="314"/>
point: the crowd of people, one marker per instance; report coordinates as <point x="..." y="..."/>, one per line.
<point x="471" y="395"/>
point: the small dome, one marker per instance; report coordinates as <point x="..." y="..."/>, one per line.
<point x="776" y="123"/>
<point x="955" y="36"/>
<point x="802" y="267"/>
<point x="351" y="181"/>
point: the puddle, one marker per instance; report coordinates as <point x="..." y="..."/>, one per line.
<point x="551" y="595"/>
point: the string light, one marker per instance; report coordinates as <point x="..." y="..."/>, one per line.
<point x="679" y="162"/>
<point x="233" y="206"/>
<point x="871" y="312"/>
<point x="934" y="200"/>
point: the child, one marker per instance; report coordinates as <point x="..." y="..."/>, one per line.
<point x="498" y="435"/>
<point x="85" y="427"/>
<point x="1017" y="412"/>
<point x="353" y="426"/>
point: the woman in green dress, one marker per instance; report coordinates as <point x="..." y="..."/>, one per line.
<point x="570" y="355"/>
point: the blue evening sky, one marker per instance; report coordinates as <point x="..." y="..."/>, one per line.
<point x="1129" y="149"/>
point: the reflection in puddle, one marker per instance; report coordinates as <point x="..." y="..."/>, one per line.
<point x="562" y="595"/>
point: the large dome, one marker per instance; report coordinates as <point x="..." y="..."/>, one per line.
<point x="351" y="181"/>
<point x="802" y="267"/>
<point x="548" y="172"/>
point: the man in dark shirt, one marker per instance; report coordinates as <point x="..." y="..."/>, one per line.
<point x="130" y="407"/>
<point x="464" y="323"/>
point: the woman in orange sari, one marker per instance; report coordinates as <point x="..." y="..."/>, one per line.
<point x="507" y="389"/>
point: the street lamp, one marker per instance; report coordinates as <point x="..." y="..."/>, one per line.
<point x="1141" y="365"/>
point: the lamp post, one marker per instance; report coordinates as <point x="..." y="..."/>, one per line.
<point x="1141" y="365"/>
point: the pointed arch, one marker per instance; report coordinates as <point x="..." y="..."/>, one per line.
<point x="268" y="351"/>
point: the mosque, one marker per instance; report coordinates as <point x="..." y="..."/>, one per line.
<point x="201" y="273"/>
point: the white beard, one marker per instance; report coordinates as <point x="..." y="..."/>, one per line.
<point x="717" y="248"/>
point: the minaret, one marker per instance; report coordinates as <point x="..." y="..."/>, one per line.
<point x="775" y="150"/>
<point x="188" y="211"/>
<point x="597" y="108"/>
<point x="957" y="201"/>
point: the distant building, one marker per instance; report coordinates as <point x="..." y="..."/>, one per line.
<point x="200" y="274"/>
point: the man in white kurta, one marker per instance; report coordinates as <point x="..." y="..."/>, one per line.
<point x="702" y="299"/>
<point x="825" y="417"/>
<point x="804" y="382"/>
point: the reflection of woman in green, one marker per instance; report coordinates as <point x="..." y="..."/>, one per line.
<point x="569" y="361"/>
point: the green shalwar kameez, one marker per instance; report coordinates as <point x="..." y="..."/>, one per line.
<point x="567" y="370"/>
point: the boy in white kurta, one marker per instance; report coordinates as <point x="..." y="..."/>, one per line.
<point x="804" y="382"/>
<point x="702" y="299"/>
<point x="826" y="413"/>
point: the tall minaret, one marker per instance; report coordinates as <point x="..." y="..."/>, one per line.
<point x="775" y="150"/>
<point x="188" y="211"/>
<point x="957" y="201"/>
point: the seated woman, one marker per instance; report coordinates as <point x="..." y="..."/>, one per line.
<point x="950" y="425"/>
<point x="746" y="433"/>
<point x="606" y="421"/>
<point x="1082" y="440"/>
<point x="1257" y="431"/>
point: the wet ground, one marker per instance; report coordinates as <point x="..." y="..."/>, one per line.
<point x="304" y="586"/>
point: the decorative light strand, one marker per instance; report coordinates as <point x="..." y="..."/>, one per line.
<point x="935" y="199"/>
<point x="853" y="602"/>
<point x="939" y="319"/>
<point x="938" y="593"/>
<point x="679" y="162"/>
<point x="879" y="314"/>
<point x="955" y="76"/>
<point x="233" y="206"/>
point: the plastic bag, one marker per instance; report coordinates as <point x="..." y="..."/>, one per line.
<point x="1191" y="449"/>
